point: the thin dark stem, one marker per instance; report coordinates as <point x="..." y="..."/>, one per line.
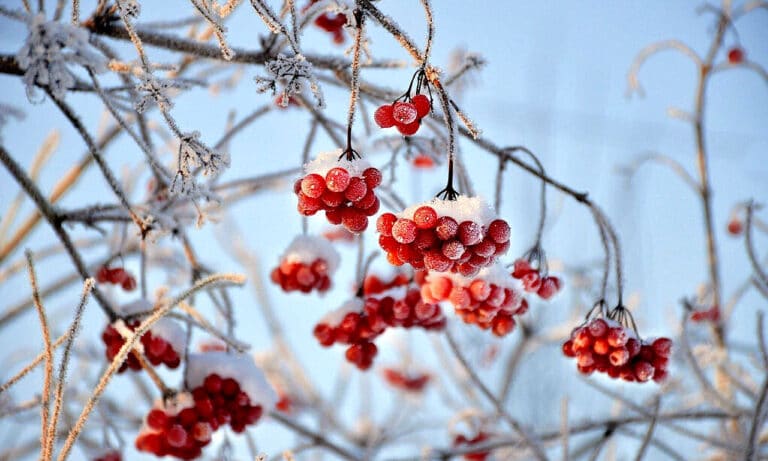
<point x="759" y="272"/>
<point x="542" y="193"/>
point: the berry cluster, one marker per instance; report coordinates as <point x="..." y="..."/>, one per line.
<point x="116" y="276"/>
<point x="333" y="24"/>
<point x="373" y="284"/>
<point x="533" y="282"/>
<point x="156" y="348"/>
<point x="404" y="381"/>
<point x="404" y="115"/>
<point x="357" y="323"/>
<point x="111" y="455"/>
<point x="460" y="235"/>
<point x="227" y="389"/>
<point x="489" y="300"/>
<point x="462" y="440"/>
<point x="307" y="264"/>
<point x="706" y="315"/>
<point x="606" y="346"/>
<point x="343" y="189"/>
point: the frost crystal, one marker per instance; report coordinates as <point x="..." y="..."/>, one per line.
<point x="49" y="47"/>
<point x="290" y="74"/>
<point x="155" y="90"/>
<point x="193" y="154"/>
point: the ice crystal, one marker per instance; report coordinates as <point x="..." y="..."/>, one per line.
<point x="156" y="90"/>
<point x="194" y="154"/>
<point x="48" y="50"/>
<point x="290" y="74"/>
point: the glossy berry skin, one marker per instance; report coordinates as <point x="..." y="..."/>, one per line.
<point x="405" y="116"/>
<point x="156" y="350"/>
<point x="546" y="287"/>
<point x="302" y="277"/>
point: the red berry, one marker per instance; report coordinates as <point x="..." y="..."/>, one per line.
<point x="662" y="346"/>
<point x="356" y="189"/>
<point x="313" y="185"/>
<point x="643" y="371"/>
<point x="157" y="419"/>
<point x="521" y="268"/>
<point x="404" y="230"/>
<point x="531" y="282"/>
<point x="549" y="287"/>
<point x="103" y="274"/>
<point x="202" y="432"/>
<point x="446" y="228"/>
<point x="383" y="116"/>
<point x="129" y="283"/>
<point x="176" y="436"/>
<point x="409" y="129"/>
<point x="736" y="55"/>
<point x="452" y="249"/>
<point x="617" y="336"/>
<point x="422" y="105"/>
<point x="230" y="387"/>
<point x="404" y="113"/>
<point x="212" y="383"/>
<point x="735" y="227"/>
<point x="354" y="220"/>
<point x="435" y="261"/>
<point x="470" y="233"/>
<point x="372" y="177"/>
<point x="337" y="179"/>
<point x="633" y="347"/>
<point x="499" y="231"/>
<point x="384" y="224"/>
<point x="601" y="346"/>
<point x="619" y="356"/>
<point x="598" y="328"/>
<point x="425" y="217"/>
<point x="568" y="349"/>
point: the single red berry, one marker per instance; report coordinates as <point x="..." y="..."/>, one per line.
<point x="409" y="129"/>
<point x="103" y="274"/>
<point x="384" y="224"/>
<point x="157" y="419"/>
<point x="643" y="371"/>
<point x="435" y="261"/>
<point x="549" y="287"/>
<point x="404" y="113"/>
<point x="404" y="230"/>
<point x="470" y="233"/>
<point x="354" y="220"/>
<point x="499" y="231"/>
<point x="422" y="105"/>
<point x="452" y="249"/>
<point x="356" y="189"/>
<point x="735" y="55"/>
<point x="129" y="283"/>
<point x="423" y="161"/>
<point x="531" y="282"/>
<point x="313" y="185"/>
<point x="176" y="436"/>
<point x="425" y="217"/>
<point x="337" y="179"/>
<point x="617" y="336"/>
<point x="662" y="346"/>
<point x="446" y="228"/>
<point x="735" y="227"/>
<point x="521" y="268"/>
<point x="598" y="328"/>
<point x="383" y="116"/>
<point x="372" y="177"/>
<point x="212" y="383"/>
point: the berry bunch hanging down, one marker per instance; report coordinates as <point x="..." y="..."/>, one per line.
<point x="116" y="276"/>
<point x="489" y="300"/>
<point x="609" y="346"/>
<point x="333" y="23"/>
<point x="462" y="235"/>
<point x="405" y="112"/>
<point x="358" y="322"/>
<point x="374" y="284"/>
<point x="343" y="188"/>
<point x="536" y="280"/>
<point x="226" y="389"/>
<point x="307" y="264"/>
<point x="164" y="343"/>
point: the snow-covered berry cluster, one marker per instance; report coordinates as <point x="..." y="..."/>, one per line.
<point x="163" y="343"/>
<point x="462" y="235"/>
<point x="545" y="286"/>
<point x="404" y="381"/>
<point x="344" y="189"/>
<point x="116" y="276"/>
<point x="607" y="346"/>
<point x="307" y="264"/>
<point x="227" y="389"/>
<point x="404" y="115"/>
<point x="358" y="322"/>
<point x="489" y="300"/>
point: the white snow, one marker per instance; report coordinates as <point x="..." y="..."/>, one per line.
<point x="334" y="317"/>
<point x="172" y="332"/>
<point x="464" y="208"/>
<point x="239" y="367"/>
<point x="307" y="248"/>
<point x="135" y="307"/>
<point x="325" y="161"/>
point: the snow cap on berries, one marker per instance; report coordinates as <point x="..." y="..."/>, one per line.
<point x="171" y="332"/>
<point x="464" y="208"/>
<point x="325" y="161"/>
<point x="141" y="305"/>
<point x="240" y="367"/>
<point x="335" y="316"/>
<point x="308" y="248"/>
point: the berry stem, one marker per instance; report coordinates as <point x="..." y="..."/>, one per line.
<point x="542" y="195"/>
<point x="156" y="379"/>
<point x="350" y="153"/>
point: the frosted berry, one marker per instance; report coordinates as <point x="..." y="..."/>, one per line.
<point x="404" y="113"/>
<point x="337" y="179"/>
<point x="422" y="105"/>
<point x="404" y="230"/>
<point x="409" y="129"/>
<point x="425" y="217"/>
<point x="313" y="185"/>
<point x="499" y="231"/>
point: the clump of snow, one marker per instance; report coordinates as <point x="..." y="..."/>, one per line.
<point x="325" y="161"/>
<point x="171" y="332"/>
<point x="464" y="208"/>
<point x="48" y="49"/>
<point x="239" y="367"/>
<point x="307" y="248"/>
<point x="141" y="305"/>
<point x="335" y="316"/>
